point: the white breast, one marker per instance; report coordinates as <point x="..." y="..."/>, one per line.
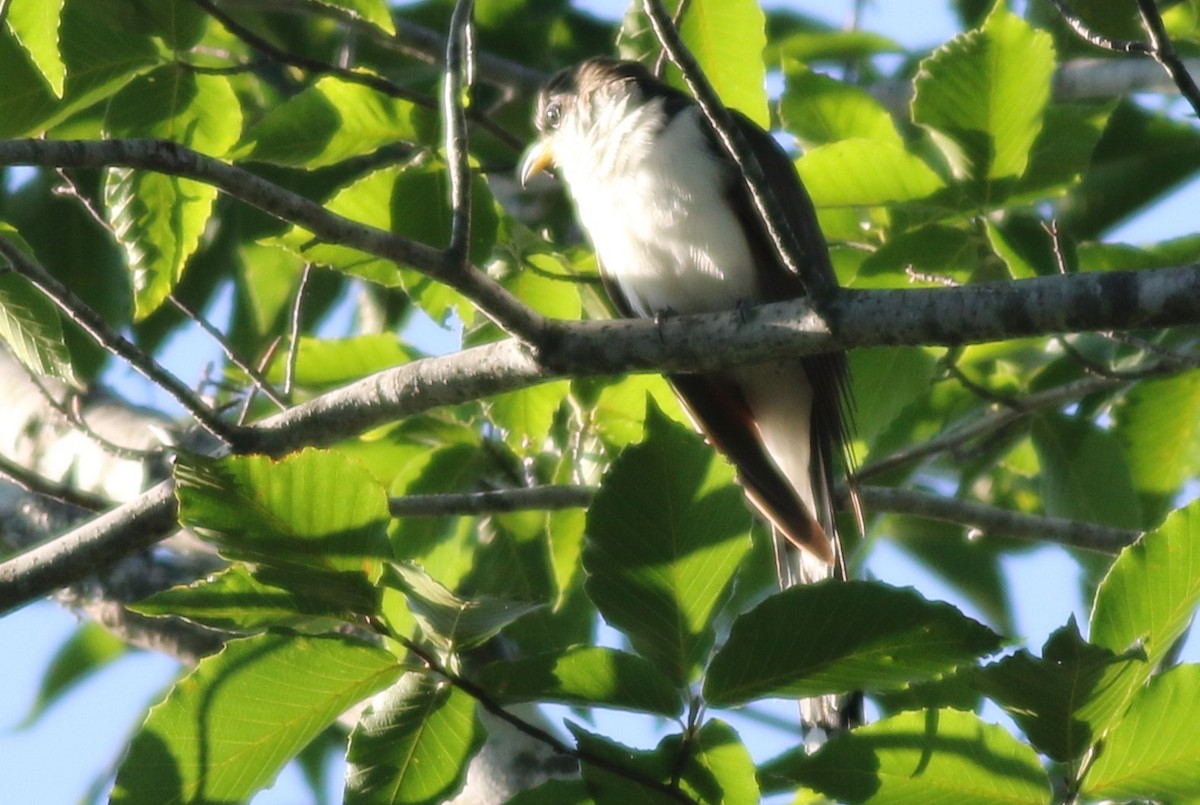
<point x="654" y="209"/>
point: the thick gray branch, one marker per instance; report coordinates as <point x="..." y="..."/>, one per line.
<point x="163" y="156"/>
<point x="969" y="314"/>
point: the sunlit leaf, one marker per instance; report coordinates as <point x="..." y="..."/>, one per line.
<point x="584" y="676"/>
<point x="1154" y="752"/>
<point x="929" y="756"/>
<point x="227" y="728"/>
<point x="985" y="92"/>
<point x="414" y="744"/>
<point x="1066" y="700"/>
<point x="664" y="538"/>
<point x="838" y="637"/>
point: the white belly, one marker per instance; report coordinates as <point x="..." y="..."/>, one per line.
<point x="662" y="228"/>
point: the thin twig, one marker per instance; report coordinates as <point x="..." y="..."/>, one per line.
<point x="263" y="363"/>
<point x="1096" y="38"/>
<point x="256" y="378"/>
<point x="980" y="391"/>
<point x="318" y="67"/>
<point x="64" y="492"/>
<point x="173" y="159"/>
<point x="113" y="342"/>
<point x="783" y="239"/>
<point x="535" y="732"/>
<point x="996" y="521"/>
<point x="493" y="501"/>
<point x="293" y="353"/>
<point x="455" y="88"/>
<point x="1163" y="52"/>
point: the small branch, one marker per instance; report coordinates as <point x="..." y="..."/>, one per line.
<point x="255" y="376"/>
<point x="456" y="86"/>
<point x="1160" y="48"/>
<point x="311" y="65"/>
<point x="996" y="521"/>
<point x="986" y="312"/>
<point x="783" y="238"/>
<point x="89" y="548"/>
<point x="496" y="501"/>
<point x="1096" y="38"/>
<point x="112" y="341"/>
<point x="535" y="732"/>
<point x="36" y="484"/>
<point x="318" y="67"/>
<point x="1164" y="53"/>
<point x="293" y="352"/>
<point x="991" y="422"/>
<point x="172" y="159"/>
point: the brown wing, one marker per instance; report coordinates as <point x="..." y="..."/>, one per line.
<point x="828" y="374"/>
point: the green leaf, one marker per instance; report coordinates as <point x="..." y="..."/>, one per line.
<point x="1154" y="752"/>
<point x="227" y="728"/>
<point x="414" y="744"/>
<point x="860" y="173"/>
<point x="454" y="622"/>
<point x="1158" y="421"/>
<point x="836" y="637"/>
<point x="89" y="648"/>
<point x="330" y="121"/>
<point x="586" y="676"/>
<point x="412" y="201"/>
<point x="313" y="523"/>
<point x="326" y="362"/>
<point x="1140" y="158"/>
<point x="1150" y="594"/>
<point x="158" y="219"/>
<point x="818" y="109"/>
<point x="35" y="26"/>
<point x="1062" y="152"/>
<point x="719" y="767"/>
<point x="937" y="251"/>
<point x="180" y="23"/>
<point x="101" y="47"/>
<point x="886" y="381"/>
<point x="727" y="38"/>
<point x="373" y="11"/>
<point x="929" y="756"/>
<point x="605" y="786"/>
<point x="525" y="417"/>
<point x="235" y="601"/>
<point x="1065" y="701"/>
<point x="619" y="412"/>
<point x="1084" y="473"/>
<point x="29" y="322"/>
<point x="981" y="96"/>
<point x="665" y="535"/>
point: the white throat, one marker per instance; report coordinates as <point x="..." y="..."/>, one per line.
<point x="651" y="198"/>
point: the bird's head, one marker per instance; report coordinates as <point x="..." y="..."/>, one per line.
<point x="586" y="115"/>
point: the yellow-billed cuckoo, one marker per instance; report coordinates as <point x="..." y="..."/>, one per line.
<point x="675" y="230"/>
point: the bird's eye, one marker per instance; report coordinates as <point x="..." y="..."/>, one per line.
<point x="552" y="117"/>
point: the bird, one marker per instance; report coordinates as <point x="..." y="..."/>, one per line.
<point x="676" y="231"/>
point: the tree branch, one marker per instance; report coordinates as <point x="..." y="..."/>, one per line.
<point x="112" y="341"/>
<point x="493" y="501"/>
<point x="995" y="521"/>
<point x="456" y="83"/>
<point x="164" y="156"/>
<point x="985" y="312"/>
<point x="1163" y="52"/>
<point x="783" y="239"/>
